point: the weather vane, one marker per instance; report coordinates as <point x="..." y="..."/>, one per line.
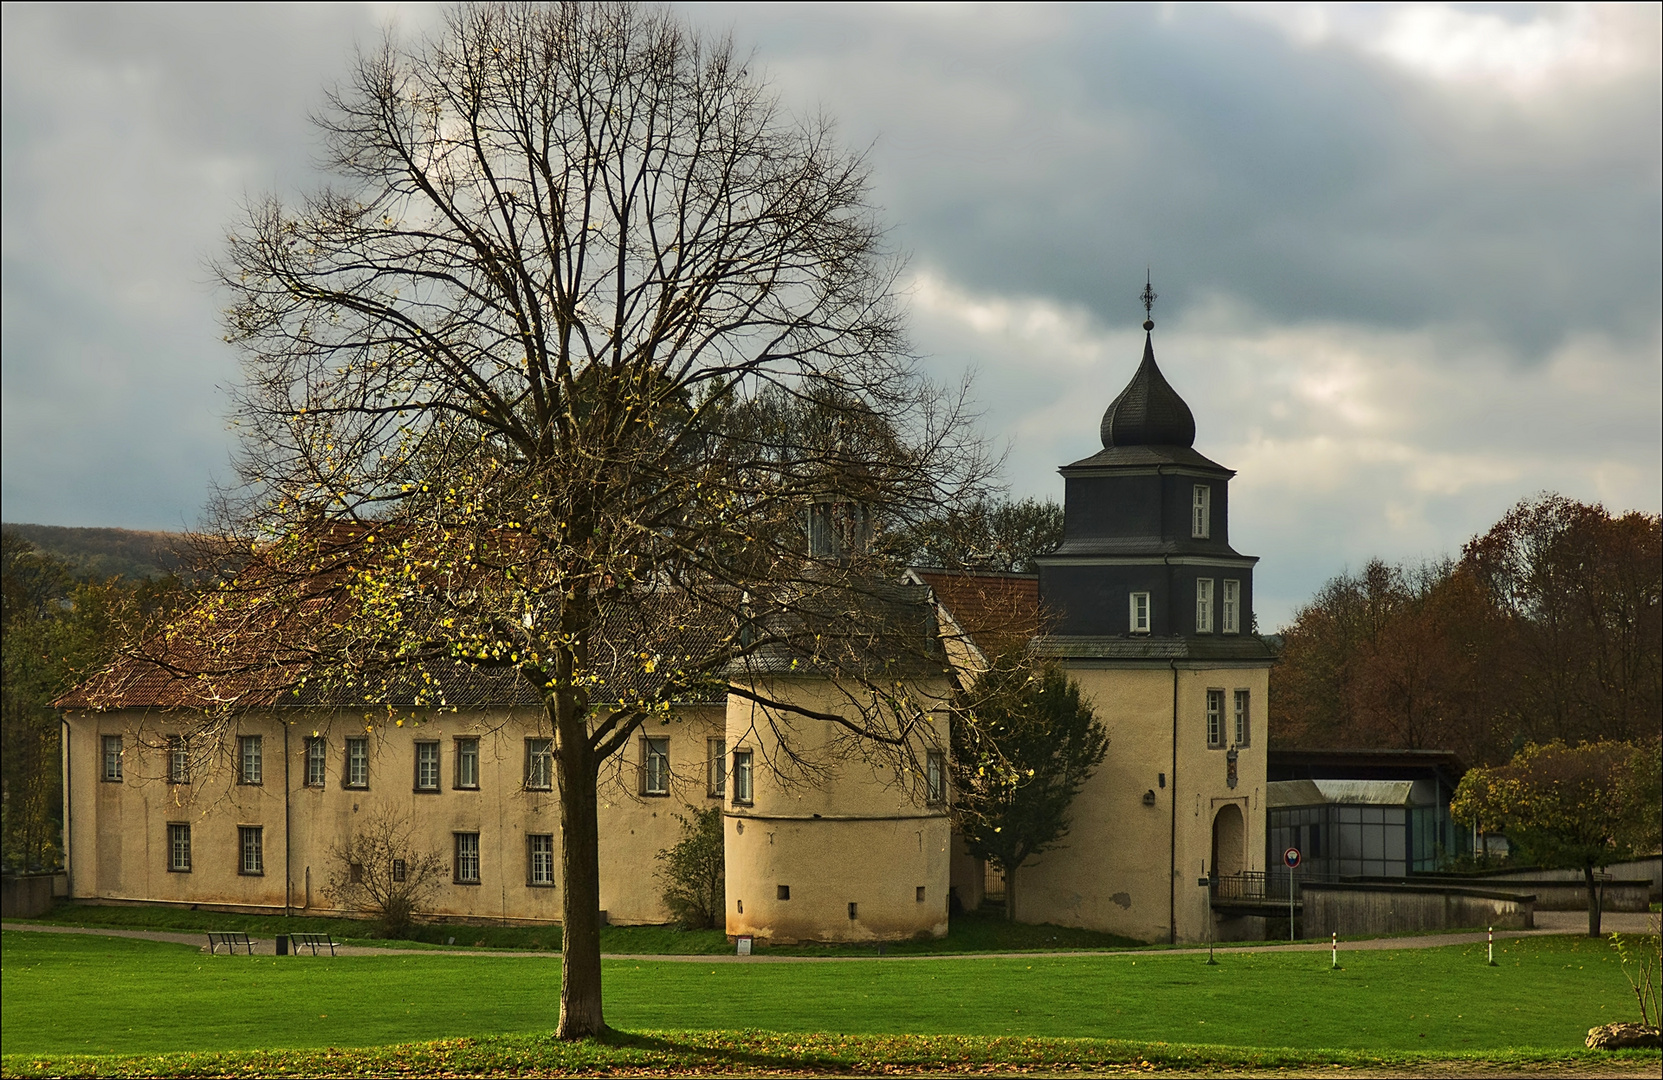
<point x="1148" y="296"/>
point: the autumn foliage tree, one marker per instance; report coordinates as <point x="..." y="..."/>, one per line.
<point x="1577" y="807"/>
<point x="554" y="381"/>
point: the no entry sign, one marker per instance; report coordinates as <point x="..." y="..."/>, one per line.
<point x="1291" y="858"/>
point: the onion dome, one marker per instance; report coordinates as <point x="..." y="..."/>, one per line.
<point x="1149" y="411"/>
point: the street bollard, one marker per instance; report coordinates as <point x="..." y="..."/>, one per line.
<point x="1336" y="950"/>
<point x="1492" y="946"/>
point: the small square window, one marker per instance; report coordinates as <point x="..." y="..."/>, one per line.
<point x="742" y="776"/>
<point x="317" y="760"/>
<point x="178" y="849"/>
<point x="539" y="764"/>
<point x="1139" y="615"/>
<point x="782" y="892"/>
<point x="250" y="761"/>
<point x="1201" y="514"/>
<point x="112" y="759"/>
<point x="358" y="763"/>
<point x="540" y="853"/>
<point x="178" y="760"/>
<point x="467" y="858"/>
<point x="1215" y="719"/>
<point x="655" y="766"/>
<point x="251" y="842"/>
<point x="467" y="763"/>
<point x="427" y="766"/>
<point x="355" y="873"/>
<point x="716" y="768"/>
<point x="920" y="896"/>
<point x="854" y="910"/>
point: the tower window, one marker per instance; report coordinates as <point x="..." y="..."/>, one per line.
<point x="1244" y="725"/>
<point x="1140" y="613"/>
<point x="1230" y="616"/>
<point x="1203" y="605"/>
<point x="1215" y="719"/>
<point x="742" y="776"/>
<point x="935" y="773"/>
<point x="1201" y="516"/>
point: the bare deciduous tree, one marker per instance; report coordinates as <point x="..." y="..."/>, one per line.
<point x="591" y="345"/>
<point x="381" y="871"/>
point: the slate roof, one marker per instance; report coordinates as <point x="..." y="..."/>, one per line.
<point x="1149" y="411"/>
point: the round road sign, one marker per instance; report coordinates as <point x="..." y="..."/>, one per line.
<point x="1291" y="858"/>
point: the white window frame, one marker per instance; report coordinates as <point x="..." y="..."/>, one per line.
<point x="744" y="777"/>
<point x="539" y="764"/>
<point x="655" y="765"/>
<point x="1201" y="512"/>
<point x="178" y="847"/>
<point x="178" y="760"/>
<point x="716" y="768"/>
<point x="112" y="748"/>
<point x="540" y="859"/>
<point x="251" y="766"/>
<point x="935" y="777"/>
<point x="317" y="760"/>
<point x="427" y="766"/>
<point x="357" y="773"/>
<point x="1244" y="717"/>
<point x="466" y="867"/>
<point x="467" y="762"/>
<point x="1230" y="611"/>
<point x="1204" y="605"/>
<point x="1215" y="718"/>
<point x="1138" y="612"/>
<point x="251" y="850"/>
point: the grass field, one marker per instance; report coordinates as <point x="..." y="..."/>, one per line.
<point x="69" y="994"/>
<point x="967" y="933"/>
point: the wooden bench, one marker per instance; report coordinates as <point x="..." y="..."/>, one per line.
<point x="232" y="941"/>
<point x="313" y="942"/>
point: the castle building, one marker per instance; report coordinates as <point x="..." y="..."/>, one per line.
<point x="1145" y="604"/>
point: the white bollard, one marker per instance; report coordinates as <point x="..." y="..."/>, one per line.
<point x="1492" y="946"/>
<point x="1336" y="950"/>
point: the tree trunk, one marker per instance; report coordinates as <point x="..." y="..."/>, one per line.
<point x="1593" y="902"/>
<point x="580" y="904"/>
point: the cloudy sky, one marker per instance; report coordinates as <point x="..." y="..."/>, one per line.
<point x="1408" y="256"/>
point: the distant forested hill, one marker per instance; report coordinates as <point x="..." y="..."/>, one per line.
<point x="105" y="553"/>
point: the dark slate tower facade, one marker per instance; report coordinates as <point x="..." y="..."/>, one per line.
<point x="1145" y="569"/>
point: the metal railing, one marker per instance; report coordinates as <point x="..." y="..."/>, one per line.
<point x="1259" y="886"/>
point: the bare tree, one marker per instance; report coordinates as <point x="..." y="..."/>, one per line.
<point x="593" y="346"/>
<point x="381" y="871"/>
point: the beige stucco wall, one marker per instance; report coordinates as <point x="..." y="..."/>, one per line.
<point x="1115" y="871"/>
<point x="118" y="831"/>
<point x="853" y="826"/>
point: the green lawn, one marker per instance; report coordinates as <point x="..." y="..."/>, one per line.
<point x="68" y="994"/>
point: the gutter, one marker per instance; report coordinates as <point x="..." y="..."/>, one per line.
<point x="69" y="865"/>
<point x="288" y="845"/>
<point x="1172" y="849"/>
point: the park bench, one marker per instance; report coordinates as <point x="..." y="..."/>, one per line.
<point x="232" y="941"/>
<point x="313" y="942"/>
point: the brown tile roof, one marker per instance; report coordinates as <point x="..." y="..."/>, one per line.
<point x="998" y="611"/>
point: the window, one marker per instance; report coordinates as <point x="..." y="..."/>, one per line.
<point x="935" y="776"/>
<point x="355" y="873"/>
<point x="250" y="769"/>
<point x="427" y="766"/>
<point x="716" y="768"/>
<point x="401" y="870"/>
<point x="655" y="766"/>
<point x="1140" y="613"/>
<point x="467" y="858"/>
<point x="1215" y="718"/>
<point x="1201" y="515"/>
<point x="540" y="860"/>
<point x="112" y="758"/>
<point x="539" y="764"/>
<point x="1203" y="605"/>
<point x="782" y="892"/>
<point x="467" y="763"/>
<point x="178" y="849"/>
<point x="742" y="776"/>
<point x="317" y="760"/>
<point x="920" y="894"/>
<point x="358" y="763"/>
<point x="1230" y="616"/>
<point x="252" y="844"/>
<point x="178" y="760"/>
<point x="1244" y="726"/>
<point x="854" y="910"/>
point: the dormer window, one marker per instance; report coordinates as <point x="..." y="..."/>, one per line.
<point x="1140" y="613"/>
<point x="1201" y="516"/>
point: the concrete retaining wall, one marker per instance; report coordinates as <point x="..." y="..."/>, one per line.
<point x="1387" y="909"/>
<point x="29" y="895"/>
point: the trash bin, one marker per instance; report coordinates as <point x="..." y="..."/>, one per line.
<point x="282" y="944"/>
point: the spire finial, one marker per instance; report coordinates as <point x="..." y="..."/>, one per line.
<point x="1148" y="296"/>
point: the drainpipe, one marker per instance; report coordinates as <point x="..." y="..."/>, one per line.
<point x="69" y="878"/>
<point x="1172" y="850"/>
<point x="288" y="880"/>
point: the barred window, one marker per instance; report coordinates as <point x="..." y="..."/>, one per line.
<point x="252" y="843"/>
<point x="467" y="763"/>
<point x="317" y="760"/>
<point x="178" y="848"/>
<point x="540" y="855"/>
<point x="112" y="758"/>
<point x="539" y="764"/>
<point x="358" y="763"/>
<point x="427" y="766"/>
<point x="467" y="858"/>
<point x="655" y="766"/>
<point x="250" y="764"/>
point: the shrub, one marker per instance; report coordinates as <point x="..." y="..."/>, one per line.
<point x="694" y="870"/>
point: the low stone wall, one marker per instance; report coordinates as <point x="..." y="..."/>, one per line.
<point x="28" y="895"/>
<point x="1649" y="869"/>
<point x="1358" y="908"/>
<point x="1559" y="893"/>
